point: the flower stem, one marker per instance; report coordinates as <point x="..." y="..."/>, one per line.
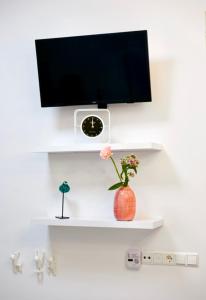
<point x="116" y="169"/>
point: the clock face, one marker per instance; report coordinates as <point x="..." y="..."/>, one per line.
<point x="92" y="126"/>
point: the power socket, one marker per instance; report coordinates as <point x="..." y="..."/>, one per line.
<point x="169" y="259"/>
<point x="147" y="258"/>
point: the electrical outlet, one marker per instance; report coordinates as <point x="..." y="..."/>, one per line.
<point x="147" y="258"/>
<point x="169" y="259"/>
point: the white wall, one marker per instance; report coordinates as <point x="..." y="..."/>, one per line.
<point x="172" y="183"/>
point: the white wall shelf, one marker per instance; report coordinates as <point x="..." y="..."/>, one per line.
<point x="150" y="223"/>
<point x="149" y="146"/>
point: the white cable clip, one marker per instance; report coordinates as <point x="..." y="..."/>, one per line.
<point x="51" y="266"/>
<point x="16" y="264"/>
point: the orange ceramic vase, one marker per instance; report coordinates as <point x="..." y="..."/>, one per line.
<point x="124" y="204"/>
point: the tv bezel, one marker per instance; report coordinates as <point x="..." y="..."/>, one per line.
<point x="100" y="104"/>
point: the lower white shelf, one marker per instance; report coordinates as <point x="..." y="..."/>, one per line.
<point x="150" y="223"/>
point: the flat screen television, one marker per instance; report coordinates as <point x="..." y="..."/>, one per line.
<point x="94" y="69"/>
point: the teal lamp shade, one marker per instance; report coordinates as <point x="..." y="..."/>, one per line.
<point x="64" y="187"/>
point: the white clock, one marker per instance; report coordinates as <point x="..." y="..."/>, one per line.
<point x="92" y="125"/>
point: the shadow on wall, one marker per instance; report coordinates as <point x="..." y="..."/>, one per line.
<point x="156" y="168"/>
<point x="94" y="247"/>
<point x="142" y="116"/>
<point x="90" y="177"/>
<point x="162" y="79"/>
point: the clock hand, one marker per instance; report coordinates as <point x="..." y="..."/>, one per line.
<point x="92" y="123"/>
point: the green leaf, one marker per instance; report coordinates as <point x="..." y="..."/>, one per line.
<point x="115" y="186"/>
<point x="124" y="168"/>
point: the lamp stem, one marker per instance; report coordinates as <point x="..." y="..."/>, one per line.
<point x="62" y="205"/>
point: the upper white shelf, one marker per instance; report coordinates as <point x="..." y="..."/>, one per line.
<point x="150" y="223"/>
<point x="148" y="146"/>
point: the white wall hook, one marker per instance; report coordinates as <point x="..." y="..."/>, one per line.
<point x="51" y="266"/>
<point x="39" y="259"/>
<point x="16" y="264"/>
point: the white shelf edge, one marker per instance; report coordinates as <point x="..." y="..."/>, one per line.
<point x="148" y="146"/>
<point x="150" y="223"/>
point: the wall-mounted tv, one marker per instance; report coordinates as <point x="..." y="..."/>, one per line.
<point x="94" y="69"/>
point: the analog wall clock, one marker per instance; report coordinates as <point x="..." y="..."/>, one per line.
<point x="92" y="125"/>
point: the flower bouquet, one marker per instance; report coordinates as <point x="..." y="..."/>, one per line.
<point x="124" y="200"/>
<point x="129" y="166"/>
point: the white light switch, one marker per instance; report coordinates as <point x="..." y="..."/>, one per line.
<point x="157" y="259"/>
<point x="192" y="259"/>
<point x="181" y="259"/>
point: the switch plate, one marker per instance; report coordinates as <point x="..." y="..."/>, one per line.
<point x="192" y="259"/>
<point x="181" y="259"/>
<point x="133" y="259"/>
<point x="169" y="258"/>
<point x="147" y="257"/>
<point x="157" y="258"/>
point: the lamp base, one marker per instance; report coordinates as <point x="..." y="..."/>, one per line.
<point x="62" y="217"/>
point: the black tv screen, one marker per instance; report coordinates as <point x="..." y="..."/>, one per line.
<point x="94" y="69"/>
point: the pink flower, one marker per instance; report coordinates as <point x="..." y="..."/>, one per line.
<point x="106" y="153"/>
